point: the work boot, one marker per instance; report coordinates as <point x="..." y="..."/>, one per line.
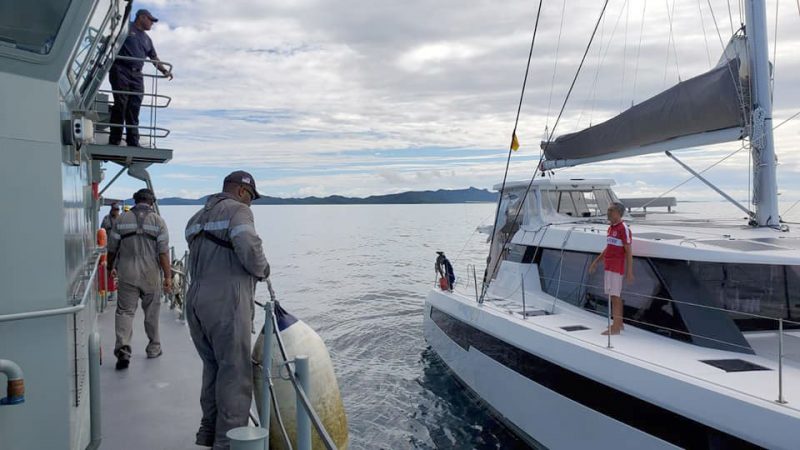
<point x="204" y="439"/>
<point x="123" y="355"/>
<point x="155" y="355"/>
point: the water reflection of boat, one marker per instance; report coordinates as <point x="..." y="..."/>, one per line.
<point x="710" y="357"/>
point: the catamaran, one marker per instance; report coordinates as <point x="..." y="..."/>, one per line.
<point x="710" y="355"/>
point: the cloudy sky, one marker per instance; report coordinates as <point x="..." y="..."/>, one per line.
<point x="359" y="97"/>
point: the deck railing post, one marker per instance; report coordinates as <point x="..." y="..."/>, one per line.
<point x="780" y="361"/>
<point x="608" y="330"/>
<point x="266" y="365"/>
<point x="522" y="288"/>
<point x="475" y="282"/>
<point x="303" y="420"/>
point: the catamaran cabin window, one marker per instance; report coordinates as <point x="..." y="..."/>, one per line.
<point x="31" y="26"/>
<point x="646" y="300"/>
<point x="574" y="203"/>
<point x="761" y="289"/>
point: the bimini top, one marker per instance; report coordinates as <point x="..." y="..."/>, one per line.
<point x="548" y="184"/>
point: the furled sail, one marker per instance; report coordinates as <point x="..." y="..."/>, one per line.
<point x="707" y="109"/>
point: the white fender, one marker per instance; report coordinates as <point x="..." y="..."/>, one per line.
<point x="299" y="339"/>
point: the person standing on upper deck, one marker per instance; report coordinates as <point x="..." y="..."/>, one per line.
<point x="618" y="262"/>
<point x="138" y="249"/>
<point x="227" y="259"/>
<point x="127" y="80"/>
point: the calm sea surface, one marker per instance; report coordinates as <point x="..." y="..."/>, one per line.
<point x="359" y="276"/>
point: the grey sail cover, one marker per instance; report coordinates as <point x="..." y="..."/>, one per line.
<point x="707" y="102"/>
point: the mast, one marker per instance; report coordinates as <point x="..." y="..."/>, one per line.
<point x="765" y="186"/>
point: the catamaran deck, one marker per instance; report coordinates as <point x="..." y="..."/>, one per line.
<point x="155" y="403"/>
<point x="676" y="358"/>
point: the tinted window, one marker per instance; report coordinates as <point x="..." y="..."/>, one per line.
<point x="646" y="301"/>
<point x="564" y="280"/>
<point x="762" y="289"/>
<point x="31" y="26"/>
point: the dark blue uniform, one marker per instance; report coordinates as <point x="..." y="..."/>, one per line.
<point x="127" y="76"/>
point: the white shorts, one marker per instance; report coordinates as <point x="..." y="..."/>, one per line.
<point x="613" y="283"/>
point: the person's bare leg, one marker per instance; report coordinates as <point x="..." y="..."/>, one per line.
<point x="616" y="313"/>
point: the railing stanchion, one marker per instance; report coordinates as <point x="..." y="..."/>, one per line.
<point x="608" y="330"/>
<point x="475" y="282"/>
<point x="266" y="365"/>
<point x="303" y="420"/>
<point x="522" y="288"/>
<point x="780" y="361"/>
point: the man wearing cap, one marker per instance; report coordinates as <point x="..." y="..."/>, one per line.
<point x="138" y="249"/>
<point x="445" y="270"/>
<point x="227" y="260"/>
<point x="110" y="219"/>
<point x="126" y="78"/>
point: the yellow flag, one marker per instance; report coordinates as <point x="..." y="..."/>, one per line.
<point x="514" y="142"/>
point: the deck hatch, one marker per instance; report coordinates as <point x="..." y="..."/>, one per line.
<point x="741" y="245"/>
<point x="574" y="328"/>
<point x="658" y="236"/>
<point x="734" y="365"/>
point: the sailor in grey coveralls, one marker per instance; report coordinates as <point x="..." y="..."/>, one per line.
<point x="138" y="246"/>
<point x="227" y="259"/>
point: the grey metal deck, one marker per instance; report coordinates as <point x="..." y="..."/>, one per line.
<point x="155" y="403"/>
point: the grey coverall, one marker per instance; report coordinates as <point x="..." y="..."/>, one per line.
<point x="138" y="237"/>
<point x="226" y="260"/>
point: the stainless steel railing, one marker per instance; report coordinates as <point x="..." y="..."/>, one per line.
<point x="155" y="102"/>
<point x="779" y="322"/>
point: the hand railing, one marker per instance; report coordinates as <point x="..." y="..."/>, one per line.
<point x="780" y="322"/>
<point x="155" y="102"/>
<point x="79" y="302"/>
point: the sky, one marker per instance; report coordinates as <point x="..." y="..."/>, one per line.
<point x="358" y="97"/>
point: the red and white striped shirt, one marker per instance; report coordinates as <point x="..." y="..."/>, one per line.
<point x="618" y="235"/>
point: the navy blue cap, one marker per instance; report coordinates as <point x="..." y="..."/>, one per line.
<point x="242" y="177"/>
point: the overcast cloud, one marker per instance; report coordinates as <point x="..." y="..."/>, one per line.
<point x="360" y="97"/>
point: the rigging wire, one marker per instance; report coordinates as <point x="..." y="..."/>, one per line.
<point x="516" y="120"/>
<point x="603" y="58"/>
<point x="730" y="16"/>
<point x="719" y="34"/>
<point x="489" y="273"/>
<point x="624" y="56"/>
<point x="705" y="35"/>
<point x="555" y="66"/>
<point x="671" y="42"/>
<point x="639" y="50"/>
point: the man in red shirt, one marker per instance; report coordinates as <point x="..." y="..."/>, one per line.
<point x="618" y="262"/>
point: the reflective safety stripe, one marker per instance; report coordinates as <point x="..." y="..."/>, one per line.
<point x="238" y="229"/>
<point x="218" y="225"/>
<point x="126" y="226"/>
<point x="162" y="237"/>
<point x="194" y="229"/>
<point x="153" y="228"/>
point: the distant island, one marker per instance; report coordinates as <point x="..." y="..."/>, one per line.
<point x="471" y="195"/>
